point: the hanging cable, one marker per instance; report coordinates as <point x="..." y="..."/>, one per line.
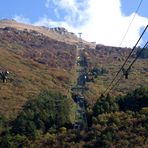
<point x="145" y="47"/>
<point x="126" y="60"/>
<point x="131" y="22"/>
<point x="115" y="84"/>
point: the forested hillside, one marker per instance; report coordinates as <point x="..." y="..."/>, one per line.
<point x="106" y="61"/>
<point x="110" y="124"/>
<point x="54" y="92"/>
<point x="35" y="63"/>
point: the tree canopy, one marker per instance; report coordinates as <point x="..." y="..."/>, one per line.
<point x="49" y="109"/>
<point x="135" y="100"/>
<point x="105" y="104"/>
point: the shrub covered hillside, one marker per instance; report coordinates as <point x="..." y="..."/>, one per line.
<point x="42" y="124"/>
<point x="54" y="94"/>
<point x="48" y="110"/>
<point x="106" y="61"/>
<point x="35" y="63"/>
<point x="37" y="47"/>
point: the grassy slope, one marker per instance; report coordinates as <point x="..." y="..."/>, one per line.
<point x="111" y="59"/>
<point x="27" y="76"/>
<point x="22" y="52"/>
<point x="43" y="30"/>
<point x="26" y="79"/>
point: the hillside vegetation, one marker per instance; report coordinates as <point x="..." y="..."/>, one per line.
<point x="68" y="37"/>
<point x="35" y="63"/>
<point x="108" y="124"/>
<point x="111" y="59"/>
<point x="38" y="107"/>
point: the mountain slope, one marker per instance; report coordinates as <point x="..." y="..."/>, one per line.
<point x="68" y="37"/>
<point x="35" y="62"/>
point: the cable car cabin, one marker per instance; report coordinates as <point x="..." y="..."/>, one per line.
<point x="80" y="100"/>
<point x="76" y="89"/>
<point x="82" y="103"/>
<point x="95" y="72"/>
<point x="77" y="125"/>
<point x="3" y="75"/>
<point x="126" y="72"/>
<point x="82" y="63"/>
<point x="77" y="98"/>
<point x="90" y="78"/>
<point x="81" y="80"/>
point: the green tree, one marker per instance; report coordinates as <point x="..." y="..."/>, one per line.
<point x="47" y="110"/>
<point x="105" y="104"/>
<point x="135" y="100"/>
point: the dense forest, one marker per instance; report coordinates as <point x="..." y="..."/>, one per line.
<point x="112" y="122"/>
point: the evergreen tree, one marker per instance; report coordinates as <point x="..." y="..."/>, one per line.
<point x="48" y="110"/>
<point x="135" y="100"/>
<point x="105" y="104"/>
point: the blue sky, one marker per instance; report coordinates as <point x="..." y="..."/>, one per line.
<point x="103" y="21"/>
<point x="129" y="6"/>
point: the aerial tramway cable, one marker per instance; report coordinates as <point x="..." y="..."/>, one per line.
<point x="126" y="60"/>
<point x="122" y="42"/>
<point x="131" y="23"/>
<point x="144" y="47"/>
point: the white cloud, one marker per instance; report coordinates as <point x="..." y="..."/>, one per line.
<point x="107" y="25"/>
<point x="45" y="21"/>
<point x="103" y="21"/>
<point x="74" y="10"/>
<point x="99" y="20"/>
